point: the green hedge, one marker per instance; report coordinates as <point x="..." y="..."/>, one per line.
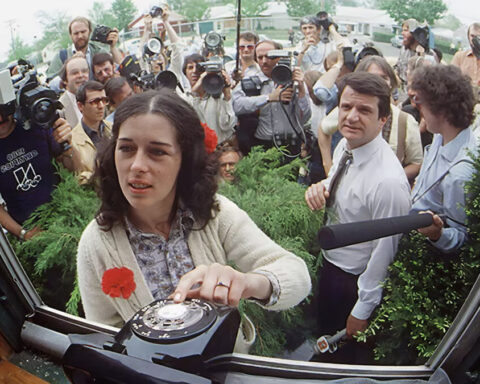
<point x="425" y="291"/>
<point x="382" y="37"/>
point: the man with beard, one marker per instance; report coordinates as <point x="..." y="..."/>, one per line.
<point x="80" y="29"/>
<point x="469" y="61"/>
<point x="282" y="110"/>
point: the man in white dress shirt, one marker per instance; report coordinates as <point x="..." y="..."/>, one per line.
<point x="366" y="182"/>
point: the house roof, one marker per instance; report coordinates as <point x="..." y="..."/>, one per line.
<point x="220" y="12"/>
<point x="363" y="15"/>
<point x="275" y="8"/>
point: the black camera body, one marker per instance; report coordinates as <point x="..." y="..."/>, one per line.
<point x="100" y="34"/>
<point x="214" y="42"/>
<point x="283" y="70"/>
<point x="131" y="70"/>
<point x="476" y="46"/>
<point x="156" y="11"/>
<point x="213" y="83"/>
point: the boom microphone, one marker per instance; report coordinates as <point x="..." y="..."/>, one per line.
<point x="341" y="235"/>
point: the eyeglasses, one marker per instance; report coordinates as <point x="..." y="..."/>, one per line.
<point x="248" y="46"/>
<point x="98" y="100"/>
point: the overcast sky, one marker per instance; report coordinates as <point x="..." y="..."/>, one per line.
<point x="22" y="15"/>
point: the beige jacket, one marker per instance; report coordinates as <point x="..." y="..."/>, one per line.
<point x="86" y="151"/>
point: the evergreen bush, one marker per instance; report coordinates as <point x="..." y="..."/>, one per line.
<point x="425" y="290"/>
<point x="49" y="258"/>
<point x="267" y="190"/>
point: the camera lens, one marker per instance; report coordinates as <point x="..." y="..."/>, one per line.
<point x="166" y="79"/>
<point x="213" y="84"/>
<point x="213" y="39"/>
<point x="281" y="74"/>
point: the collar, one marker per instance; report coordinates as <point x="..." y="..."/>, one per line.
<point x="86" y="53"/>
<point x="364" y="153"/>
<point x="452" y="149"/>
<point x="182" y="223"/>
<point x="90" y="132"/>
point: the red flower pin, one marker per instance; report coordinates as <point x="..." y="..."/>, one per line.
<point x="211" y="138"/>
<point x="118" y="282"/>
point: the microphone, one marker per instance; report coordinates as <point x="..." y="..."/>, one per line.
<point x="341" y="235"/>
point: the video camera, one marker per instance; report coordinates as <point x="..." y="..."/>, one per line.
<point x="214" y="42"/>
<point x="283" y="70"/>
<point x="213" y="83"/>
<point x="29" y="101"/>
<point x="422" y="36"/>
<point x="352" y="56"/>
<point x="476" y="46"/>
<point x="131" y="70"/>
<point x="100" y="34"/>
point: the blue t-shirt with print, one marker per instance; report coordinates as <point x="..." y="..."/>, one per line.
<point x="27" y="175"/>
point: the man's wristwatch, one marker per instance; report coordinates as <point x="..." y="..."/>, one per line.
<point x="23" y="232"/>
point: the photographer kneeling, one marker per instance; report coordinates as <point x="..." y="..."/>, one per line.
<point x="27" y="175"/>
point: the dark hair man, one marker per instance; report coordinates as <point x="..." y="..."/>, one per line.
<point x="316" y="45"/>
<point x="469" y="61"/>
<point x="80" y="29"/>
<point x="86" y="135"/>
<point x="216" y="112"/>
<point x="445" y="99"/>
<point x="415" y="42"/>
<point x="103" y="67"/>
<point x="366" y="182"/>
<point x="27" y="175"/>
<point x="246" y="47"/>
<point x="117" y="89"/>
<point x="74" y="73"/>
<point x="278" y="124"/>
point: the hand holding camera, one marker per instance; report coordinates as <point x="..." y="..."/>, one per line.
<point x="62" y="131"/>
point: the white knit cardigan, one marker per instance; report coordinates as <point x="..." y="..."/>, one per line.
<point x="231" y="236"/>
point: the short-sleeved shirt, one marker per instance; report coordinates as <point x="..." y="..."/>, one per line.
<point x="27" y="175"/>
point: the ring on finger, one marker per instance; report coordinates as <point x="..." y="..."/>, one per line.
<point x="220" y="284"/>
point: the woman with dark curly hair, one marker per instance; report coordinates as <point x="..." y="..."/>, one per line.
<point x="444" y="97"/>
<point x="162" y="231"/>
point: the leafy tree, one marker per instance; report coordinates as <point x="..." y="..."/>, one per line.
<point x="421" y="10"/>
<point x="100" y="15"/>
<point x="193" y="10"/>
<point x="124" y="12"/>
<point x="449" y="22"/>
<point x="299" y="8"/>
<point x="18" y="49"/>
<point x="251" y="8"/>
<point x="55" y="28"/>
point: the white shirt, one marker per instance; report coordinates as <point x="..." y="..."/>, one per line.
<point x="73" y="98"/>
<point x="374" y="187"/>
<point x="216" y="113"/>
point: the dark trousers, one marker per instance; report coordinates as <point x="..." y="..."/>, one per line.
<point x="336" y="295"/>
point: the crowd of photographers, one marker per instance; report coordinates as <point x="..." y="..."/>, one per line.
<point x="301" y="100"/>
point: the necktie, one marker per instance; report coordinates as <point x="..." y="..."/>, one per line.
<point x="345" y="161"/>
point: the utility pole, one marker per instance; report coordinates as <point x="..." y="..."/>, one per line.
<point x="11" y="25"/>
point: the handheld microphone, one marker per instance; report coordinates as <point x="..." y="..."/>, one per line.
<point x="341" y="235"/>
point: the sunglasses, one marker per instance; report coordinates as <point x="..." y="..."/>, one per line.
<point x="98" y="100"/>
<point x="248" y="46"/>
